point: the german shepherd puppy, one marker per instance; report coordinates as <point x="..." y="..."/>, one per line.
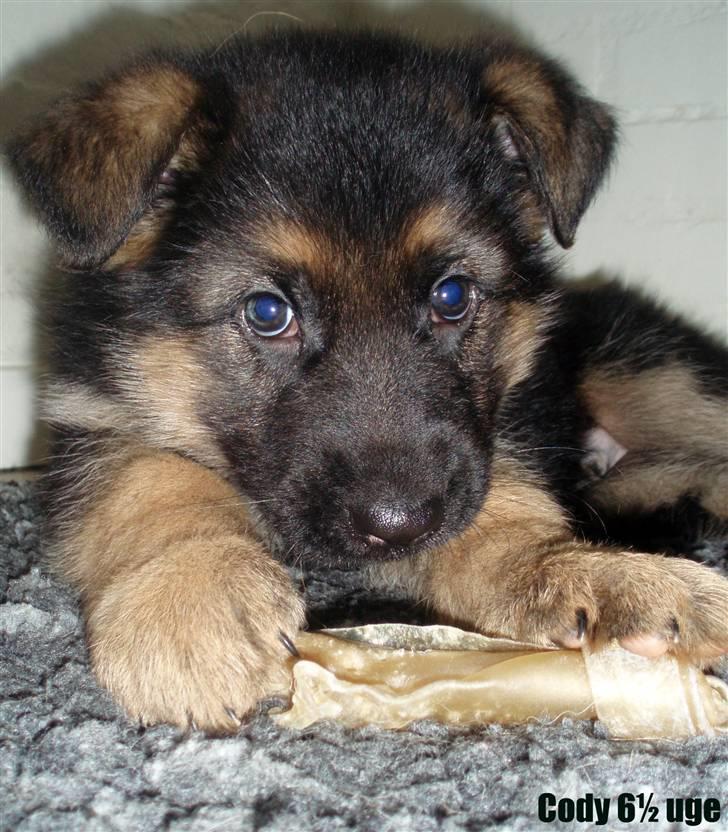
<point x="312" y="315"/>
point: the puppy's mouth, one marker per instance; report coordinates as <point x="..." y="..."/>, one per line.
<point x="349" y="548"/>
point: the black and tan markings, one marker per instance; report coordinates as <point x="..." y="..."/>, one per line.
<point x="347" y="177"/>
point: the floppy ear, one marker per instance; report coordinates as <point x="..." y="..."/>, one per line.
<point x="543" y="119"/>
<point x="92" y="165"/>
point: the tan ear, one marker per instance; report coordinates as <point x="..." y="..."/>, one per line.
<point x="91" y="165"/>
<point x="544" y="120"/>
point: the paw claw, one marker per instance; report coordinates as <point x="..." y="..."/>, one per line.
<point x="287" y="642"/>
<point x="233" y="716"/>
<point x="675" y="630"/>
<point x="581" y="623"/>
<point x="574" y="639"/>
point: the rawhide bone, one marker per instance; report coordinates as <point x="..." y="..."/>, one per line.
<point x="393" y="674"/>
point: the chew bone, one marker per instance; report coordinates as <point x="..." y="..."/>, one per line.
<point x="391" y="674"/>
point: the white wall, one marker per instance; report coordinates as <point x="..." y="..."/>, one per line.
<point x="660" y="223"/>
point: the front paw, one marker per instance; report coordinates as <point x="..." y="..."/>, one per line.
<point x="193" y="637"/>
<point x="651" y="604"/>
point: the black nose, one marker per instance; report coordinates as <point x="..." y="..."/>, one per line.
<point x="398" y="523"/>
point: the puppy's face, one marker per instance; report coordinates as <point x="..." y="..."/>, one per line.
<point x="356" y="383"/>
<point x="320" y="267"/>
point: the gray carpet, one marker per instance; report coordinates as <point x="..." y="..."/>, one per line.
<point x="69" y="760"/>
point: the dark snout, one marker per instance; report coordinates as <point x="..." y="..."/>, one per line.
<point x="374" y="500"/>
<point x="384" y="458"/>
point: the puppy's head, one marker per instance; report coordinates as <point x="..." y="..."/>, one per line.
<point x="318" y="263"/>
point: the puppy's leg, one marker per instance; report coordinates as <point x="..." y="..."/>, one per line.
<point x="519" y="572"/>
<point x="184" y="608"/>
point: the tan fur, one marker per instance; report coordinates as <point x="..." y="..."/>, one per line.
<point x="146" y="234"/>
<point x="428" y="230"/>
<point x="296" y="246"/>
<point x="162" y="386"/>
<point x="517" y="84"/>
<point x="437" y="228"/>
<point x="518" y="572"/>
<point x="523" y="335"/>
<point x="183" y="606"/>
<point x="646" y="481"/>
<point x="142" y="241"/>
<point x="73" y="405"/>
<point x="344" y="266"/>
<point x="660" y="408"/>
<point x="524" y="98"/>
<point x="113" y="140"/>
<point x="519" y="88"/>
<point x="332" y="267"/>
<point x="165" y="385"/>
<point x="155" y="100"/>
<point x="675" y="434"/>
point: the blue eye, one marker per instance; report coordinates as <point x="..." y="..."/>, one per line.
<point x="450" y="299"/>
<point x="268" y="315"/>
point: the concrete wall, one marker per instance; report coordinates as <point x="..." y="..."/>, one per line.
<point x="660" y="222"/>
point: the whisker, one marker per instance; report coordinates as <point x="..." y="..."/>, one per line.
<point x="595" y="513"/>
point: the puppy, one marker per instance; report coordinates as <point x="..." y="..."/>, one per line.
<point x="312" y="314"/>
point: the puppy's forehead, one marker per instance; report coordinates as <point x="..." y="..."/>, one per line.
<point x="364" y="156"/>
<point x="349" y="185"/>
<point x="296" y="243"/>
<point x="332" y="259"/>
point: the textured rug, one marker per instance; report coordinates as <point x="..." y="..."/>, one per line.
<point x="69" y="760"/>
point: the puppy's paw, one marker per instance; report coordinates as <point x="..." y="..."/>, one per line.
<point x="194" y="637"/>
<point x="696" y="616"/>
<point x="651" y="604"/>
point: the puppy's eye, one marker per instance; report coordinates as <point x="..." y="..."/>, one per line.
<point x="270" y="316"/>
<point x="450" y="300"/>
